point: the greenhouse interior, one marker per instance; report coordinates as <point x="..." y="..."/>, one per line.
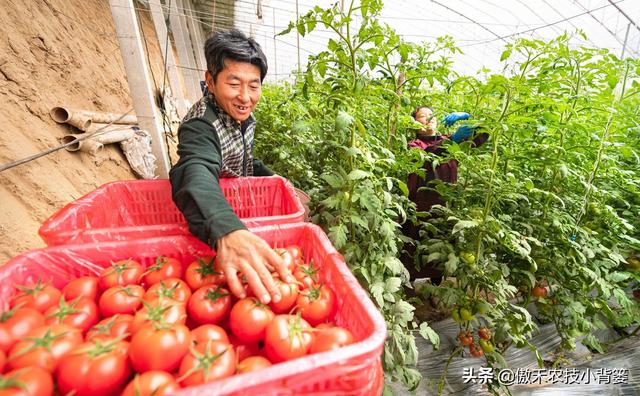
<point x="296" y="197"/>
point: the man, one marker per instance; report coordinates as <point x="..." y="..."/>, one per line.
<point x="216" y="140"/>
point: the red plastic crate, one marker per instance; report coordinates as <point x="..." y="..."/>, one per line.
<point x="133" y="209"/>
<point x="353" y="370"/>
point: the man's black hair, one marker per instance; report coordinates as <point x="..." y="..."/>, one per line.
<point x="235" y="45"/>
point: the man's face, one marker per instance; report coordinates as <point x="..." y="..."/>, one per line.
<point x="237" y="88"/>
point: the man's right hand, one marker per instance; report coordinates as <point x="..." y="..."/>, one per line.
<point x="244" y="252"/>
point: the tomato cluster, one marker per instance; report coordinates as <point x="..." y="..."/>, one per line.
<point x="133" y="330"/>
<point x="484" y="341"/>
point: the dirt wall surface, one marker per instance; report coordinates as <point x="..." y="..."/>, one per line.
<point x="52" y="53"/>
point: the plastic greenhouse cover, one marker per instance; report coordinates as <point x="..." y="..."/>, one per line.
<point x="352" y="370"/>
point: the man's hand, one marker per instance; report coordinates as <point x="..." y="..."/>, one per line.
<point x="451" y="118"/>
<point x="242" y="251"/>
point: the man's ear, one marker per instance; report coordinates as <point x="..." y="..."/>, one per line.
<point x="208" y="77"/>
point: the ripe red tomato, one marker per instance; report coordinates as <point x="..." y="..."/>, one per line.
<point x="289" y="295"/>
<point x="85" y="286"/>
<point x="3" y="360"/>
<point x="44" y="346"/>
<point x="295" y="252"/>
<point x="249" y="319"/>
<point x="152" y="383"/>
<point x="16" y="323"/>
<point x="120" y="300"/>
<point x="244" y="349"/>
<point x="40" y="296"/>
<point x="115" y="326"/>
<point x="326" y="339"/>
<point x="306" y="274"/>
<point x="252" y="363"/>
<point x="204" y="271"/>
<point x="208" y="332"/>
<point x="158" y="312"/>
<point x="475" y="351"/>
<point x="94" y="368"/>
<point x="156" y="347"/>
<point x="120" y="273"/>
<point x="317" y="304"/>
<point x="539" y="291"/>
<point x="207" y="362"/>
<point x="81" y="313"/>
<point x="465" y="338"/>
<point x="170" y="288"/>
<point x="287" y="337"/>
<point x="484" y="333"/>
<point x="210" y="304"/>
<point x="287" y="258"/>
<point x="163" y="268"/>
<point x="30" y="381"/>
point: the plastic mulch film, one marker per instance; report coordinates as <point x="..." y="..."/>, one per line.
<point x="616" y="372"/>
<point x="132" y="209"/>
<point x="352" y="370"/>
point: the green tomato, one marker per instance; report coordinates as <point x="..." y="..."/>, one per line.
<point x="468" y="257"/>
<point x="633" y="263"/>
<point x="466" y="315"/>
<point x="486" y="346"/>
<point x="455" y="314"/>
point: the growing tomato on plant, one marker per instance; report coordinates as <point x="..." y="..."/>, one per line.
<point x="209" y="304"/>
<point x="151" y="383"/>
<point x="99" y="367"/>
<point x="317" y="304"/>
<point x="249" y="318"/>
<point x="539" y="291"/>
<point x="484" y="333"/>
<point x="486" y="345"/>
<point x="466" y="315"/>
<point x="120" y="273"/>
<point x="207" y="362"/>
<point x="287" y="337"/>
<point x="465" y="338"/>
<point x="163" y="268"/>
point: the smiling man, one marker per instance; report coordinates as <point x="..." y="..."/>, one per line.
<point x="216" y="140"/>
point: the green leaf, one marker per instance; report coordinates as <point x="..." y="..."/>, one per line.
<point x="358" y="174"/>
<point x="300" y="27"/>
<point x="462" y="224"/>
<point x="428" y="334"/>
<point x="394" y="265"/>
<point x="505" y="54"/>
<point x="452" y="263"/>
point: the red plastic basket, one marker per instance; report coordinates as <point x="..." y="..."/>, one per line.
<point x="133" y="209"/>
<point x="353" y="370"/>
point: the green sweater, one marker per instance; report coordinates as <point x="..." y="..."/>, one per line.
<point x="203" y="160"/>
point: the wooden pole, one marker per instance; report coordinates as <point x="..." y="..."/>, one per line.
<point x="185" y="55"/>
<point x="138" y="76"/>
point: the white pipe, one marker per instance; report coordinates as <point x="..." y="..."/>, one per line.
<point x="82" y="119"/>
<point x="95" y="143"/>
